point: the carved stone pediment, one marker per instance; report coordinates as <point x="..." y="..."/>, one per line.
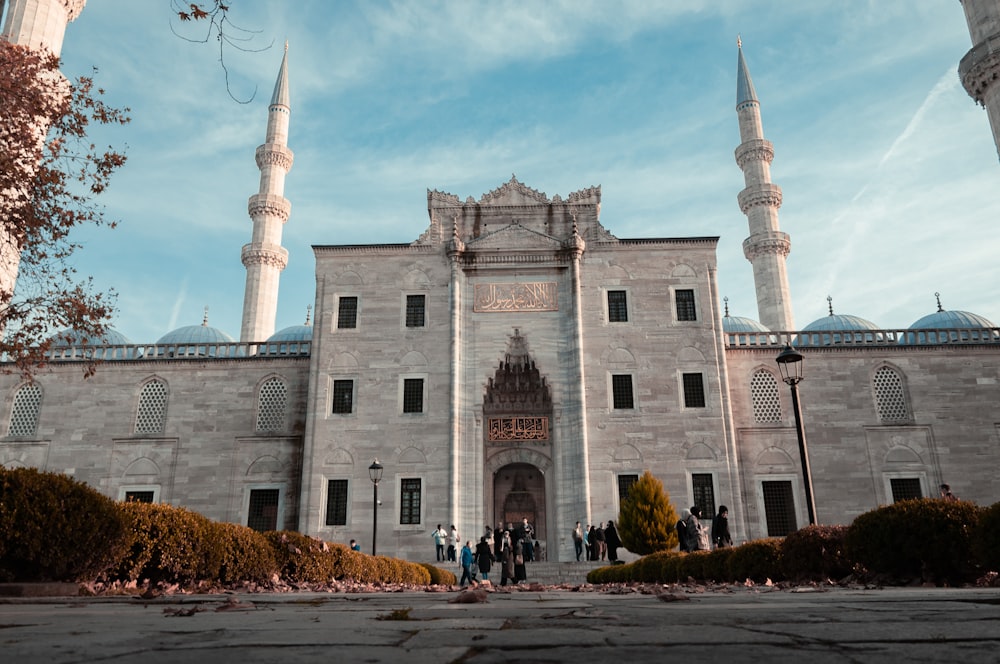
<point x="514" y="192"/>
<point x="514" y="236"/>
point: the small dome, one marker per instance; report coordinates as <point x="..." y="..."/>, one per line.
<point x="71" y="337"/>
<point x="198" y="340"/>
<point x="741" y="325"/>
<point x="195" y="334"/>
<point x="839" y="323"/>
<point x="292" y="340"/>
<point x="837" y="329"/>
<point x="293" y="333"/>
<point x="950" y="320"/>
<point x="961" y="326"/>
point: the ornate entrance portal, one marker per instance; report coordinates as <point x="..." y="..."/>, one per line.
<point x="517" y="410"/>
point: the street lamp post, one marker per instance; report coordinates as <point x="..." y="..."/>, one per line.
<point x="375" y="472"/>
<point x="790" y="363"/>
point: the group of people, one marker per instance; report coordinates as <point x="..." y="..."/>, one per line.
<point x="693" y="535"/>
<point x="600" y="542"/>
<point x="508" y="546"/>
<point x="449" y="539"/>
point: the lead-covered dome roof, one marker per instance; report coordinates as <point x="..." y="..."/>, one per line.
<point x="740" y="324"/>
<point x="71" y="337"/>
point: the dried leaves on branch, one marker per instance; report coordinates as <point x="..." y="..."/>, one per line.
<point x="50" y="173"/>
<point x="214" y="19"/>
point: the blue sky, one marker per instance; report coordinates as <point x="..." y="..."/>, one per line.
<point x="888" y="169"/>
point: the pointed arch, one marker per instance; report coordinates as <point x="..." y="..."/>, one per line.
<point x="272" y="404"/>
<point x="889" y="393"/>
<point x="25" y="410"/>
<point x="151" y="410"/>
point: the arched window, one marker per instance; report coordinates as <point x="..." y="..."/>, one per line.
<point x="890" y="397"/>
<point x="764" y="396"/>
<point x="24" y="414"/>
<point x="271" y="403"/>
<point x="152" y="410"/>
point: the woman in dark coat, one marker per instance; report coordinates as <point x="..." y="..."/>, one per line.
<point x="613" y="541"/>
<point x="520" y="572"/>
<point x="720" y="528"/>
<point x="594" y="551"/>
<point x="484" y="557"/>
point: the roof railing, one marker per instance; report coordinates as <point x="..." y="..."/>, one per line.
<point x="867" y="338"/>
<point x="182" y="351"/>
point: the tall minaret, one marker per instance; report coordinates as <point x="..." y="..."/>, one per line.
<point x="767" y="247"/>
<point x="980" y="68"/>
<point x="40" y="25"/>
<point x="264" y="257"/>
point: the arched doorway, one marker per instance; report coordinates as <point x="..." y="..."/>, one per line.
<point x="519" y="493"/>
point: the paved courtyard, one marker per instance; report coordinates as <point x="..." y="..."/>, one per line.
<point x="732" y="625"/>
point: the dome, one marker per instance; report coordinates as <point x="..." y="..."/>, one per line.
<point x="292" y="340"/>
<point x="293" y="333"/>
<point x="961" y="326"/>
<point x="71" y="337"/>
<point x="741" y="325"/>
<point x="197" y="340"/>
<point x="836" y="329"/>
<point x="839" y="323"/>
<point x="950" y="320"/>
<point x="69" y="344"/>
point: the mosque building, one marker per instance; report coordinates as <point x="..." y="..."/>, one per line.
<point x="518" y="359"/>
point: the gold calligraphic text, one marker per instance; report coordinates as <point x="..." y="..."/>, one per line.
<point x="502" y="429"/>
<point x="539" y="296"/>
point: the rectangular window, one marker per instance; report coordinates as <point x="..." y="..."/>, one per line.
<point x="263" y="512"/>
<point x="621" y="392"/>
<point x="625" y="483"/>
<point x="336" y="503"/>
<point x="905" y="488"/>
<point x="413" y="395"/>
<point x="703" y="493"/>
<point x="139" y="496"/>
<point x="694" y="390"/>
<point x="617" y="306"/>
<point x="684" y="301"/>
<point x="409" y="501"/>
<point x="347" y="313"/>
<point x="779" y="509"/>
<point x="343" y="397"/>
<point x="415" y="310"/>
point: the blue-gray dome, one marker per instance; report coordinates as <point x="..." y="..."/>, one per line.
<point x="741" y="325"/>
<point x="839" y="323"/>
<point x="198" y="341"/>
<point x="195" y="334"/>
<point x="293" y="333"/>
<point x="950" y="320"/>
<point x="292" y="340"/>
<point x="837" y="329"/>
<point x="70" y="344"/>
<point x="71" y="337"/>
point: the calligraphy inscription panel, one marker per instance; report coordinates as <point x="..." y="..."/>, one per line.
<point x="541" y="296"/>
<point x="505" y="429"/>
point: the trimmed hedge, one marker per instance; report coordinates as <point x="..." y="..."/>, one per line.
<point x="169" y="545"/>
<point x="986" y="543"/>
<point x="438" y="576"/>
<point x="54" y="528"/>
<point x="757" y="560"/>
<point x="816" y="553"/>
<point x="247" y="555"/>
<point x="304" y="559"/>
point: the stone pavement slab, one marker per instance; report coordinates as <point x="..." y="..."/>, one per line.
<point x="743" y="625"/>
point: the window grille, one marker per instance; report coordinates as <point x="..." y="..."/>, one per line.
<point x="139" y="496"/>
<point x="415" y="310"/>
<point x="409" y="501"/>
<point x="263" y="512"/>
<point x="617" y="306"/>
<point x="703" y="493"/>
<point x="152" y="410"/>
<point x="890" y="402"/>
<point x="625" y="483"/>
<point x="694" y="390"/>
<point x="336" y="503"/>
<point x="684" y="301"/>
<point x="621" y="392"/>
<point x="413" y="395"/>
<point x="24" y="415"/>
<point x="764" y="397"/>
<point x="905" y="488"/>
<point x="271" y="403"/>
<point x="343" y="397"/>
<point x="779" y="509"/>
<point x="347" y="313"/>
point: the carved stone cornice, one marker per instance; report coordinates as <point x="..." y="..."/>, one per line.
<point x="756" y="149"/>
<point x="271" y="255"/>
<point x="760" y="194"/>
<point x="270" y="205"/>
<point x="274" y="154"/>
<point x="774" y="242"/>
<point x="73" y="8"/>
<point x="980" y="68"/>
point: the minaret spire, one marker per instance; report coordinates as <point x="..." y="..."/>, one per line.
<point x="264" y="257"/>
<point x="767" y="247"/>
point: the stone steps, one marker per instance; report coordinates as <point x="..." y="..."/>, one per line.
<point x="546" y="573"/>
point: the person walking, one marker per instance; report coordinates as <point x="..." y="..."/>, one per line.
<point x="484" y="557"/>
<point x="697" y="533"/>
<point x="613" y="541"/>
<point x="578" y="540"/>
<point x="439" y="536"/>
<point x="593" y="550"/>
<point x="600" y="542"/>
<point x="947" y="495"/>
<point x="527" y="533"/>
<point x="465" y="561"/>
<point x="682" y="540"/>
<point x="720" y="529"/>
<point x="507" y="558"/>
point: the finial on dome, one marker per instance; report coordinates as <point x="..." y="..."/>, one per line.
<point x="309" y="310"/>
<point x="829" y="303"/>
<point x="286" y="46"/>
<point x="726" y="301"/>
<point x="204" y="321"/>
<point x="739" y="41"/>
<point x="938" y="296"/>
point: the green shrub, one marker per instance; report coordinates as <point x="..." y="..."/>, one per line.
<point x="926" y="539"/>
<point x="691" y="565"/>
<point x="247" y="556"/>
<point x="986" y="540"/>
<point x="815" y="553"/>
<point x="304" y="559"/>
<point x="647" y="521"/>
<point x="670" y="566"/>
<point x="168" y="544"/>
<point x="54" y="528"/>
<point x="438" y="576"/>
<point x="716" y="565"/>
<point x="757" y="560"/>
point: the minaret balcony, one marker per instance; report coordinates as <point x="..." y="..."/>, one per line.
<point x="274" y="154"/>
<point x="980" y="67"/>
<point x="756" y="149"/>
<point x="269" y="205"/>
<point x="272" y="255"/>
<point x="767" y="244"/>
<point x="760" y="194"/>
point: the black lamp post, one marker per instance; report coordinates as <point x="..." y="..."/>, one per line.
<point x="375" y="472"/>
<point x="790" y="363"/>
